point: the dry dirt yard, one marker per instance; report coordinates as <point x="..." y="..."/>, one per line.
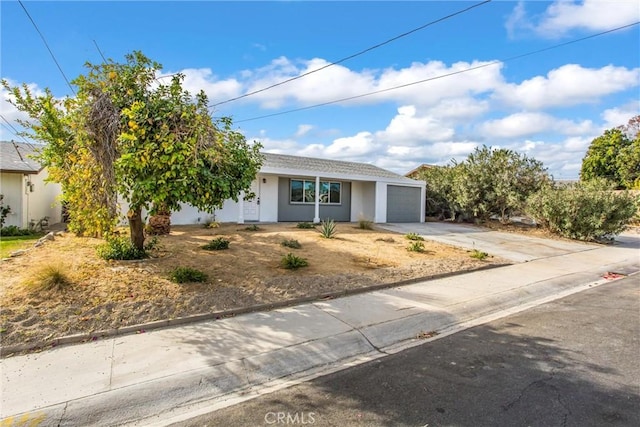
<point x="112" y="294"/>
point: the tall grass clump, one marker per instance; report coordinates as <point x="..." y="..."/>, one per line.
<point x="50" y="277"/>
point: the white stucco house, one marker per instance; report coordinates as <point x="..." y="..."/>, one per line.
<point x="286" y="186"/>
<point x="23" y="186"/>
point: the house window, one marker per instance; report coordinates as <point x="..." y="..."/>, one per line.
<point x="303" y="191"/>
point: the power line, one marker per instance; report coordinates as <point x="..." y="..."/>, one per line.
<point x="14" y="131"/>
<point x="488" y="64"/>
<point x="47" y="46"/>
<point x="354" y="55"/>
<point x="99" y="51"/>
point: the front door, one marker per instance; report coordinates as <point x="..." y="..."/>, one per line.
<point x="252" y="207"/>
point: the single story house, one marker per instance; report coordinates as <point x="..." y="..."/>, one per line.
<point x="23" y="187"/>
<point x="293" y="188"/>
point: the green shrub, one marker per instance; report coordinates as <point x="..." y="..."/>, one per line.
<point x="187" y="275"/>
<point x="306" y="225"/>
<point x="413" y="236"/>
<point x="210" y="223"/>
<point x="152" y="244"/>
<point x="52" y="277"/>
<point x="416" y="247"/>
<point x="217" y="244"/>
<point x="12" y="230"/>
<point x="365" y="224"/>
<point x="291" y="243"/>
<point x="478" y="254"/>
<point x="120" y="248"/>
<point x="252" y="227"/>
<point x="328" y="228"/>
<point x="582" y="211"/>
<point x="292" y="262"/>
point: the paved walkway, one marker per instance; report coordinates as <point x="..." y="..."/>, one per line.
<point x="163" y="375"/>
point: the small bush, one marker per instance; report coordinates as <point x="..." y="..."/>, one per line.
<point x="306" y="225"/>
<point x="365" y="224"/>
<point x="252" y="227"/>
<point x="217" y="244"/>
<point x="210" y="223"/>
<point x="292" y="262"/>
<point x="291" y="243"/>
<point x="12" y="230"/>
<point x="582" y="211"/>
<point x="187" y="275"/>
<point x="52" y="277"/>
<point x="120" y="248"/>
<point x="478" y="254"/>
<point x="152" y="244"/>
<point x="416" y="247"/>
<point x="413" y="236"/>
<point x="328" y="228"/>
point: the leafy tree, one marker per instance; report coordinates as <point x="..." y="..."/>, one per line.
<point x="127" y="134"/>
<point x="440" y="181"/>
<point x="587" y="210"/>
<point x="628" y="164"/>
<point x="496" y="182"/>
<point x="615" y="155"/>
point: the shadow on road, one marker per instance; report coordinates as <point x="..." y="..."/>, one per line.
<point x="571" y="362"/>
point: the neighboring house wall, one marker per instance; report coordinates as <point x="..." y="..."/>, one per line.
<point x="30" y="202"/>
<point x="288" y="211"/>
<point x="11" y="188"/>
<point x="43" y="201"/>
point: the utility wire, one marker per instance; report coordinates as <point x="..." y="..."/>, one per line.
<point x="488" y="64"/>
<point x="355" y="54"/>
<point x="99" y="51"/>
<point x="47" y="46"/>
<point x="14" y="131"/>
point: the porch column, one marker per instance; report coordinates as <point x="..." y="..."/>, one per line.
<point x="316" y="217"/>
<point x="241" y="208"/>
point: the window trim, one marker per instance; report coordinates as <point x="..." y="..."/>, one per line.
<point x="313" y="184"/>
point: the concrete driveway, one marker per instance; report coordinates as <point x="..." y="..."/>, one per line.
<point x="510" y="246"/>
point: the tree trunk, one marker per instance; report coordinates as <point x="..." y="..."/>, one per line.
<point x="136" y="227"/>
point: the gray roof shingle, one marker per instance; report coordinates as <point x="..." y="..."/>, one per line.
<point x="333" y="167"/>
<point x="15" y="157"/>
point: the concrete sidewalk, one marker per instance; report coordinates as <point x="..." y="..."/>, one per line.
<point x="163" y="375"/>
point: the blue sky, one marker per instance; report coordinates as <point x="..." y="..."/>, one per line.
<point x="549" y="105"/>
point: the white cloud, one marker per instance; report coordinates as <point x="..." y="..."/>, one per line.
<point x="410" y="128"/>
<point x="527" y="124"/>
<point x="339" y="82"/>
<point x="563" y="16"/>
<point x="197" y="79"/>
<point x="459" y="109"/>
<point x="618" y="116"/>
<point x="570" y="84"/>
<point x="303" y="130"/>
<point x="11" y="113"/>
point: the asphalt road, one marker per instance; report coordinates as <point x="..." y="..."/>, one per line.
<point x="572" y="362"/>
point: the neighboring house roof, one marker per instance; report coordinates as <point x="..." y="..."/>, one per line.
<point x="15" y="157"/>
<point x="419" y="169"/>
<point x="296" y="165"/>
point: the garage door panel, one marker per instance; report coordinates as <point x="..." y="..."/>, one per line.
<point x="403" y="204"/>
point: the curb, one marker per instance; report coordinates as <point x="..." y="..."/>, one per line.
<point x="11" y="350"/>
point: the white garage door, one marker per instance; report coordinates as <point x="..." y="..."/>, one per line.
<point x="403" y="204"/>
